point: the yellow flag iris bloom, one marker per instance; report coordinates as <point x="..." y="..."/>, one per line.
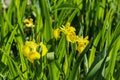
<point x="69" y="31"/>
<point x="30" y="50"/>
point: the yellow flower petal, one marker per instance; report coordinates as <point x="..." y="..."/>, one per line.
<point x="26" y="50"/>
<point x="67" y="24"/>
<point x="82" y="43"/>
<point x="86" y="41"/>
<point x="80" y="49"/>
<point x="26" y="21"/>
<point x="44" y="49"/>
<point x="71" y="37"/>
<point x="33" y="56"/>
<point x="56" y="33"/>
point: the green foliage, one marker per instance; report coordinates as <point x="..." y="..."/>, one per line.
<point x="98" y="19"/>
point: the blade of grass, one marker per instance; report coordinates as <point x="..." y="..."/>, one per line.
<point x="113" y="54"/>
<point x="96" y="65"/>
<point x="93" y="50"/>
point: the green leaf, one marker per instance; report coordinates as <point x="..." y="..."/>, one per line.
<point x="96" y="65"/>
<point x="93" y="50"/>
<point x="53" y="71"/>
<point x="113" y="55"/>
<point x="8" y="46"/>
<point x="61" y="49"/>
<point x="66" y="6"/>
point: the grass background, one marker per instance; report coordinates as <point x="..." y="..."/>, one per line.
<point x="99" y="19"/>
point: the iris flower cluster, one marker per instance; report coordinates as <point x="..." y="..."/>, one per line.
<point x="71" y="36"/>
<point x="30" y="49"/>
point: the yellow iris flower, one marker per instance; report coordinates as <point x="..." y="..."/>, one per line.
<point x="29" y="23"/>
<point x="71" y="36"/>
<point x="30" y="50"/>
<point x="69" y="31"/>
<point x="67" y="28"/>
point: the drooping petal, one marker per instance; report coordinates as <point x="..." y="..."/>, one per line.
<point x="56" y="33"/>
<point x="33" y="56"/>
<point x="26" y="50"/>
